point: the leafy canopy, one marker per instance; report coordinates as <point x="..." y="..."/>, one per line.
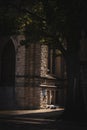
<point x="52" y="20"/>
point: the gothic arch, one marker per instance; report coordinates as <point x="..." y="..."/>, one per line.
<point x="8" y="65"/>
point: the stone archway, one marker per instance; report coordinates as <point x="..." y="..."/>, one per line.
<point x="7" y="89"/>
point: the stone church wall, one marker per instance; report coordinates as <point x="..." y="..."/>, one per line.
<point x="32" y="81"/>
<point x="28" y="76"/>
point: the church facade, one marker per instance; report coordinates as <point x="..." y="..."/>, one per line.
<point x="30" y="76"/>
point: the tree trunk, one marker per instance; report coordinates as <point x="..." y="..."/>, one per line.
<point x="74" y="104"/>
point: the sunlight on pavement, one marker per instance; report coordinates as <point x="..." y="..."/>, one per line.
<point x="19" y="112"/>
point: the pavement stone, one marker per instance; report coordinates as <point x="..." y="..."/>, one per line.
<point x="51" y="114"/>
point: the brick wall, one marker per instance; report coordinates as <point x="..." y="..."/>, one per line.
<point x="32" y="80"/>
<point x="19" y="71"/>
<point x="28" y="76"/>
<point x="31" y="66"/>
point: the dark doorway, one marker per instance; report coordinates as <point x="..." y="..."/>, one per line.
<point x="8" y="65"/>
<point x="7" y="89"/>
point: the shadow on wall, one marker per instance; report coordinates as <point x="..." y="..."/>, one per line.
<point x="7" y="76"/>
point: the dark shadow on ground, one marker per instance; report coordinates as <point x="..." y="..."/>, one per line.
<point x="62" y="121"/>
<point x="45" y="125"/>
<point x="77" y="116"/>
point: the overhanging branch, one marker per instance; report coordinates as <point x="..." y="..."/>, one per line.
<point x="56" y="42"/>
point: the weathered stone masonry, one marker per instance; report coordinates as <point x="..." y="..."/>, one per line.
<point x="28" y="76"/>
<point x="33" y="86"/>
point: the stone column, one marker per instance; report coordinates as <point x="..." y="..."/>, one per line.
<point x="50" y="96"/>
<point x="43" y="70"/>
<point x="44" y="60"/>
<point x="20" y="71"/>
<point x="54" y="96"/>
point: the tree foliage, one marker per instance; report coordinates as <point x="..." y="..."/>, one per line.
<point x="50" y="19"/>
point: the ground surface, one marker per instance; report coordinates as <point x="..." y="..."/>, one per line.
<point x="48" y="119"/>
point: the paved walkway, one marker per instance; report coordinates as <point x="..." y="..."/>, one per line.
<point x="37" y="120"/>
<point x="22" y="112"/>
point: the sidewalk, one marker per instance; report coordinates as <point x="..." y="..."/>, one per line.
<point x="29" y="112"/>
<point x="39" y="116"/>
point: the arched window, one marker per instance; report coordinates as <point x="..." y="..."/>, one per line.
<point x="56" y="62"/>
<point x="8" y="65"/>
<point x="51" y="60"/>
